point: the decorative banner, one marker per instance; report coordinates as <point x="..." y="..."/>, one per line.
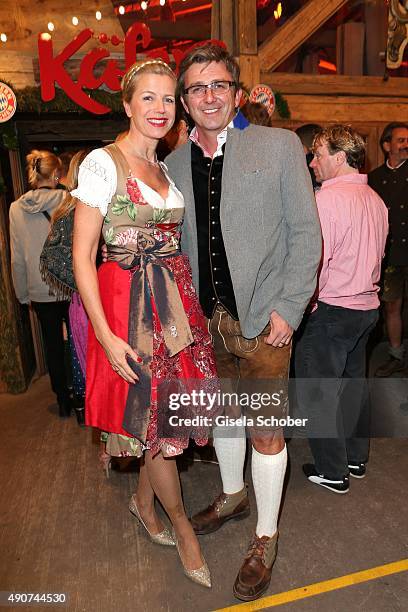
<point x="397" y="32"/>
<point x="8" y="103"/>
<point x="262" y="94"/>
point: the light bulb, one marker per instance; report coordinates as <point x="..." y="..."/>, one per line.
<point x="121" y="10"/>
<point x="3" y="37"/>
<point x="143" y="5"/>
<point x="98" y="15"/>
<point x="50" y="26"/>
<point x="162" y="2"/>
<point x="75" y="21"/>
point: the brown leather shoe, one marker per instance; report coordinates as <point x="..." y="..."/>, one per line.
<point x="255" y="574"/>
<point x="224" y="508"/>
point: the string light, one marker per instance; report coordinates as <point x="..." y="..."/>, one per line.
<point x="98" y="15"/>
<point x="75" y="21"/>
<point x="143" y="5"/>
<point x="277" y="13"/>
<point x="162" y="2"/>
<point x="50" y="26"/>
<point x="3" y="37"/>
<point x="121" y="10"/>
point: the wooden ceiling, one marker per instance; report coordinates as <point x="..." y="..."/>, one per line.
<point x="23" y="20"/>
<point x="176" y="21"/>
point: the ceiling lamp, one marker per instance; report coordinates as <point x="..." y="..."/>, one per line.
<point x="98" y="15"/>
<point x="50" y="26"/>
<point x="75" y="21"/>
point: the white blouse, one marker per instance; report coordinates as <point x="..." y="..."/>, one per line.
<point x="97" y="182"/>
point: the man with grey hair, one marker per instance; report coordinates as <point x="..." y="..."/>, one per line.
<point x="390" y="181"/>
<point x="252" y="235"/>
<point x="331" y="349"/>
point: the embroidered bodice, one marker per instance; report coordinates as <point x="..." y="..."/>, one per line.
<point x="135" y="215"/>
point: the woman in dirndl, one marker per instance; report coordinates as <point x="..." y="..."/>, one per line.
<point x="147" y="331"/>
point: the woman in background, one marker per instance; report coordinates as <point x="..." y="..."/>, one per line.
<point x="147" y="327"/>
<point x="56" y="270"/>
<point x="30" y="217"/>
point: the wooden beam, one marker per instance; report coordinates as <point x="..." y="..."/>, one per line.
<point x="296" y="31"/>
<point x="247" y="42"/>
<point x="323" y="84"/>
<point x="249" y="68"/>
<point x="247" y="39"/>
<point x="346" y="109"/>
<point x="223" y="22"/>
<point x="180" y="30"/>
<point x="60" y="128"/>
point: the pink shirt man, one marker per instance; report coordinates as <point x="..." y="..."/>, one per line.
<point x="354" y="222"/>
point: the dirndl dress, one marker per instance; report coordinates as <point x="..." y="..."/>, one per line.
<point x="149" y="300"/>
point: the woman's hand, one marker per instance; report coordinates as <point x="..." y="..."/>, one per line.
<point x="116" y="351"/>
<point x="104" y="253"/>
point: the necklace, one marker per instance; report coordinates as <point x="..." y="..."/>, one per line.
<point x="148" y="161"/>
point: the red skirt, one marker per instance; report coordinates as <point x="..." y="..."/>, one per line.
<point x="106" y="391"/>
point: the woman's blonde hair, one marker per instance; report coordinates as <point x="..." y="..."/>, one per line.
<point x="148" y="66"/>
<point x="41" y="165"/>
<point x="68" y="203"/>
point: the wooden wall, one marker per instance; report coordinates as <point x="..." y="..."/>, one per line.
<point x="366" y="103"/>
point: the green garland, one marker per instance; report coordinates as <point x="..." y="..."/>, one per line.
<point x="29" y="100"/>
<point x="282" y="105"/>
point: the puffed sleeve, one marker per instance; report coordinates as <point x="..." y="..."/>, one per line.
<point x="97" y="180"/>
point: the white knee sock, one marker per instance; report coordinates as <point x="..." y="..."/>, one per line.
<point x="231" y="456"/>
<point x="268" y="473"/>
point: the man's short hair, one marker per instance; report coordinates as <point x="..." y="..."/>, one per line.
<point x="204" y="54"/>
<point x="307" y="134"/>
<point x="343" y="138"/>
<point x="386" y="136"/>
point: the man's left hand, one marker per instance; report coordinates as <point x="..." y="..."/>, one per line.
<point x="281" y="332"/>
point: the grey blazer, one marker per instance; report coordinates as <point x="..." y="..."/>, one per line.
<point x="269" y="223"/>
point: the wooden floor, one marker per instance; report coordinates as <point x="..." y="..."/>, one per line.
<point x="65" y="528"/>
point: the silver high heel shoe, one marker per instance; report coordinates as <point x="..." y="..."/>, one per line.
<point x="201" y="575"/>
<point x="164" y="537"/>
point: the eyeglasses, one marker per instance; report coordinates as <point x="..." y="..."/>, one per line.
<point x="219" y="88"/>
